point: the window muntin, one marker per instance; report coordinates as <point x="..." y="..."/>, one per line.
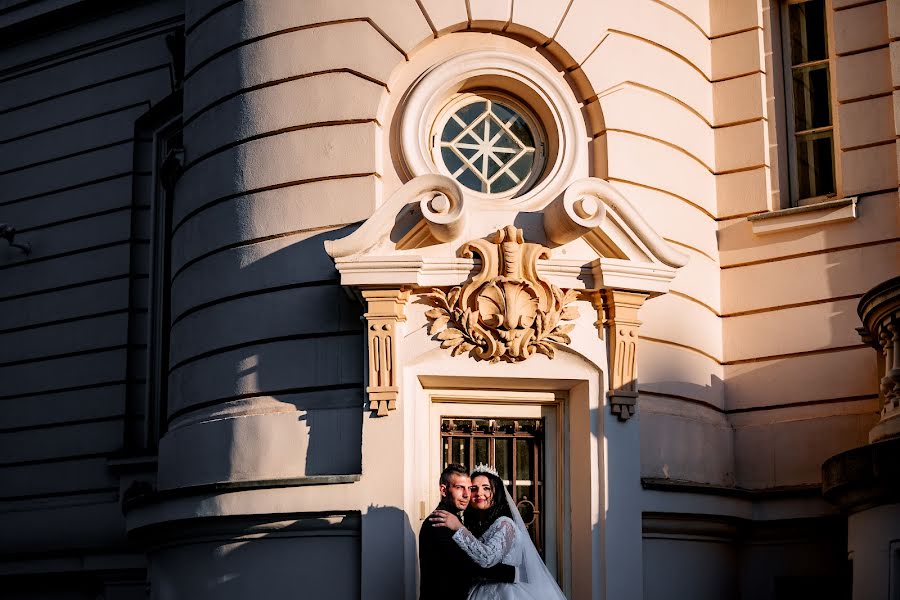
<point x="490" y="144"/>
<point x="515" y="448"/>
<point x="812" y="119"/>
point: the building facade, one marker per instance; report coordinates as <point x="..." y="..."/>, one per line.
<point x="270" y="265"/>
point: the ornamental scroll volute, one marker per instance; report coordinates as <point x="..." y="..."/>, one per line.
<point x="507" y="311"/>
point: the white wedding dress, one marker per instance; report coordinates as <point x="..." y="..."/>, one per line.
<point x="506" y="541"/>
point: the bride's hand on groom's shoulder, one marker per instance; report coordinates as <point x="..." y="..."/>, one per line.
<point x="442" y="518"/>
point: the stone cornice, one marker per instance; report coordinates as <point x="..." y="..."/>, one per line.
<point x="863" y="477"/>
<point x="411" y="240"/>
<point x="878" y="306"/>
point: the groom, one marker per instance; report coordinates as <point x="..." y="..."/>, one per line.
<point x="445" y="571"/>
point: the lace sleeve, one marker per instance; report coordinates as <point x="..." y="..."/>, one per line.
<point x="493" y="545"/>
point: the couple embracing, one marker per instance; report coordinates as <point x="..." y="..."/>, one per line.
<point x="476" y="546"/>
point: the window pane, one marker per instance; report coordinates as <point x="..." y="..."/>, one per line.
<point x="812" y="101"/>
<point x="497" y="136"/>
<point x="524" y="457"/>
<point x="521" y="131"/>
<point x="468" y="179"/>
<point x="451" y="130"/>
<point x="504" y="458"/>
<point x="504" y="113"/>
<point x="460" y="451"/>
<point x="522" y="167"/>
<point x="471" y="112"/>
<point x="502" y="183"/>
<point x="808" y="40"/>
<point x="481" y="451"/>
<point x="815" y="164"/>
<point x="451" y="161"/>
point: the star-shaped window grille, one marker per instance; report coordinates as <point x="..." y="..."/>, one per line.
<point x="488" y="147"/>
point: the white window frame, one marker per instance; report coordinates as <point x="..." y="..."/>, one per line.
<point x="792" y="176"/>
<point x="524" y="112"/>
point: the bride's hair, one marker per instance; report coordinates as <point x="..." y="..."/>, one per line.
<point x="478" y="521"/>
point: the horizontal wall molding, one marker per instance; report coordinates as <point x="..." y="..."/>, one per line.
<point x="273" y="133"/>
<point x="75" y="186"/>
<point x="692" y="487"/>
<point x="85" y="317"/>
<point x="793" y="354"/>
<point x="145" y="104"/>
<point x="683" y="347"/>
<point x="667" y="192"/>
<point x="175" y="415"/>
<point x="784" y="257"/>
<point x="222" y="487"/>
<point x="251" y="242"/>
<point x="695" y="401"/>
<point x="251" y="293"/>
<point x="96" y="84"/>
<point x="262" y="342"/>
<point x="275" y="186"/>
<point x="766" y="309"/>
<point x="74" y="388"/>
<point x="790" y="405"/>
<point x="61" y="288"/>
<point x="249" y="41"/>
<point x="259" y="86"/>
<point x="93" y="48"/>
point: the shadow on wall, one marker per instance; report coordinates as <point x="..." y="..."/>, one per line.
<point x="670" y="446"/>
<point x="281" y="556"/>
<point x="807" y="304"/>
<point x="295" y="354"/>
<point x="317" y="368"/>
<point x="391" y="525"/>
<point x="261" y="556"/>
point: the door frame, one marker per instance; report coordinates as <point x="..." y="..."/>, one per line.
<point x="549" y="405"/>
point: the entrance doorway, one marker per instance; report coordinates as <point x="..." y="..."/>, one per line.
<point x="515" y="448"/>
<point x="519" y="434"/>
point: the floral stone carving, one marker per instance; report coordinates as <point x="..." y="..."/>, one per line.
<point x="506" y="312"/>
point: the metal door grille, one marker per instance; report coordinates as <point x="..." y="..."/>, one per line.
<point x="515" y="448"/>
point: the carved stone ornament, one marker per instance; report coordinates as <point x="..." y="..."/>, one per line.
<point x="506" y="312"/>
<point x="620" y="309"/>
<point x="385" y="310"/>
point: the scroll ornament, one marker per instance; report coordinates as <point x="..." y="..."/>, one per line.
<point x="507" y="311"/>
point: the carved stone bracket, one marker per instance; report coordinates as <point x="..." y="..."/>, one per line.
<point x="506" y="311"/>
<point x="385" y="310"/>
<point x="620" y="317"/>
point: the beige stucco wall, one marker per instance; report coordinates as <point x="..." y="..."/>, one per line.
<point x="751" y="373"/>
<point x="789" y="297"/>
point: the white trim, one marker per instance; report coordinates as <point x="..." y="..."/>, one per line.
<point x="430" y="93"/>
<point x="824" y="213"/>
<point x="521" y="111"/>
<point x="623" y="250"/>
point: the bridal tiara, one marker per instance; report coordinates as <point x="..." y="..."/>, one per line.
<point x="485" y="468"/>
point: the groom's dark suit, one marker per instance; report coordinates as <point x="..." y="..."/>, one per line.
<point x="445" y="571"/>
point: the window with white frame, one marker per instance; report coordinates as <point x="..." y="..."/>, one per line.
<point x="490" y="143"/>
<point x="809" y="109"/>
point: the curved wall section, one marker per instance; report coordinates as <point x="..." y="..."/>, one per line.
<point x="281" y="147"/>
<point x="291" y="121"/>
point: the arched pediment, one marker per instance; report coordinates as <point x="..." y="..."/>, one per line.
<point x="597" y="239"/>
<point x="511" y="278"/>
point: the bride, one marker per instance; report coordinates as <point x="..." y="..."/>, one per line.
<point x="504" y="539"/>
